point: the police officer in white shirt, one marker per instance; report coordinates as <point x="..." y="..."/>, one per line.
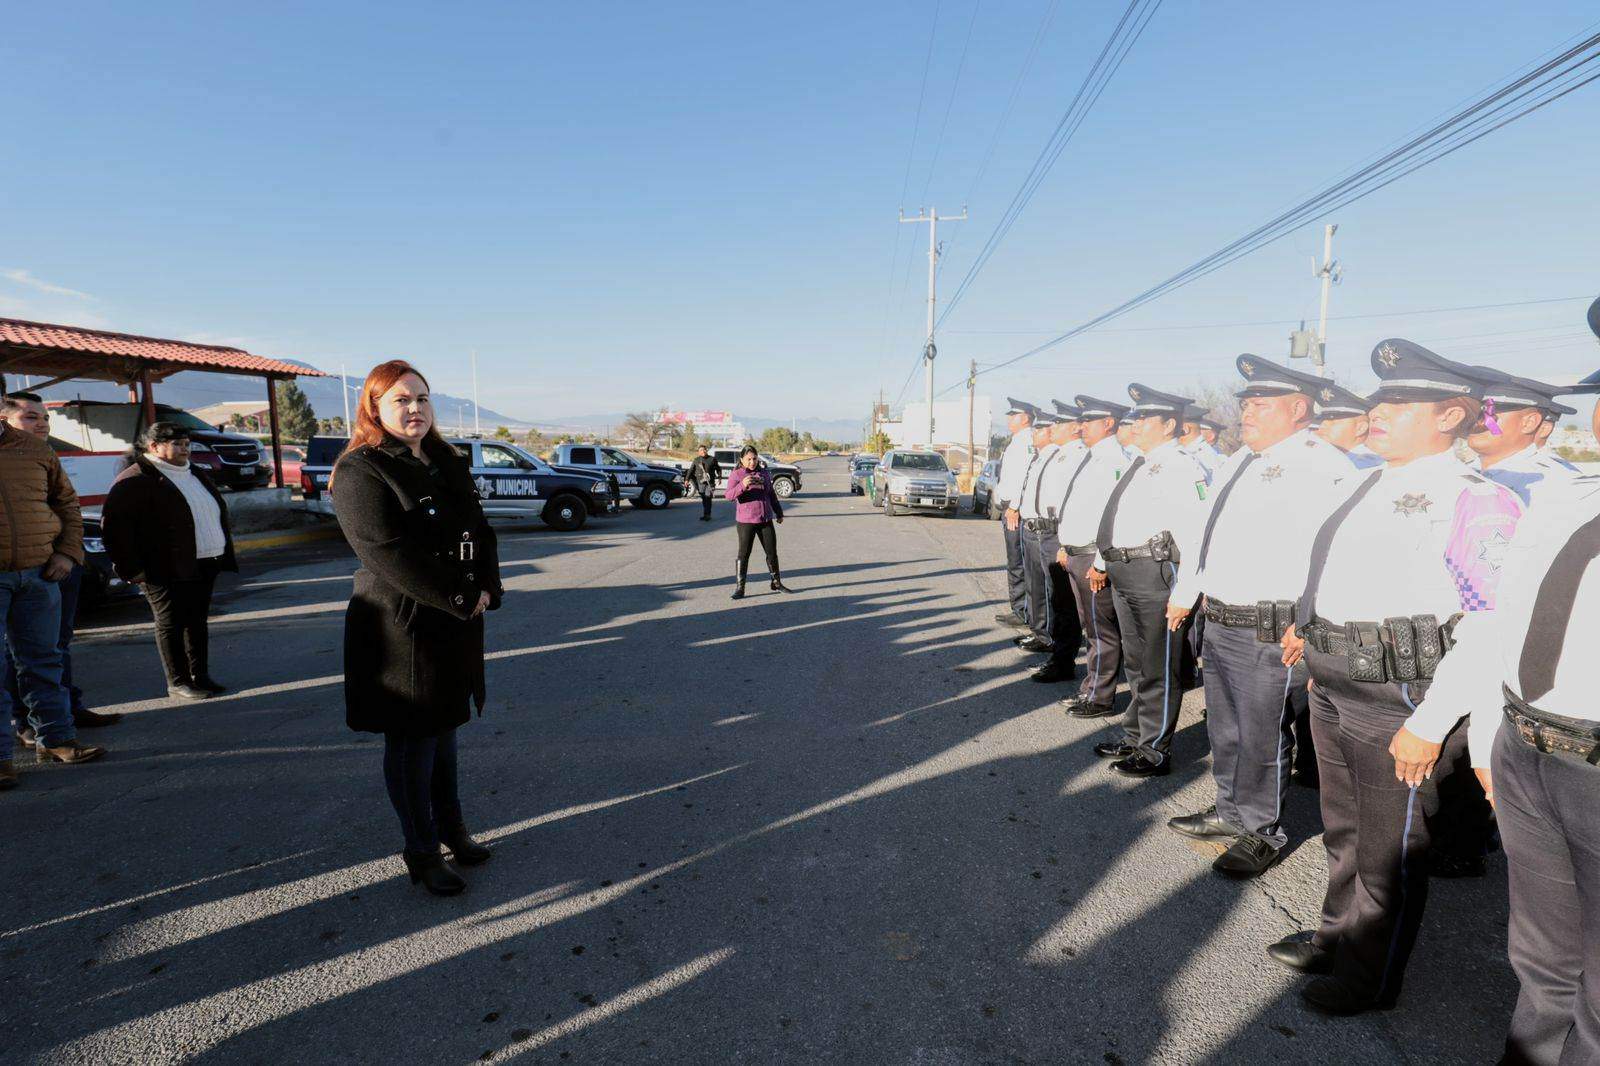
<point x="1065" y="450"/>
<point x="1149" y="527"/>
<point x="1192" y="440"/>
<point x="1035" y="528"/>
<point x="1342" y="422"/>
<point x="1094" y="474"/>
<point x="1274" y="494"/>
<point x="1013" y="468"/>
<point x="1506" y="437"/>
<point x="1125" y="435"/>
<point x="1411" y="556"/>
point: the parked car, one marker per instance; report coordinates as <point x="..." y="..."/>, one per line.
<point x="317" y="466"/>
<point x="785" y="476"/>
<point x="983" y="501"/>
<point x="645" y="485"/>
<point x="294" y="456"/>
<point x="232" y="460"/>
<point x="861" y="468"/>
<point x="915" y="481"/>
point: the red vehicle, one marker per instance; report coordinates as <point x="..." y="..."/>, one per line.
<point x="293" y="456"/>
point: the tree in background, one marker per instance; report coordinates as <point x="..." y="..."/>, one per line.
<point x="332" y="427"/>
<point x="778" y="439"/>
<point x="643" y="424"/>
<point x="502" y="433"/>
<point x="690" y="439"/>
<point x="1223" y="408"/>
<point x="877" y="443"/>
<point x="808" y="443"/>
<point x="533" y="440"/>
<point x="296" y="419"/>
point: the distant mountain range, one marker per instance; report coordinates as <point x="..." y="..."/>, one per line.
<point x="191" y="391"/>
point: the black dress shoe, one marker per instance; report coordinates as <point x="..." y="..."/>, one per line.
<point x="1247" y="857"/>
<point x="1297" y="952"/>
<point x="87" y="719"/>
<point x="1137" y="765"/>
<point x="1011" y="618"/>
<point x="1054" y="670"/>
<point x="1332" y="996"/>
<point x="186" y="691"/>
<point x="434" y="873"/>
<point x="207" y="684"/>
<point x="1450" y="867"/>
<point x="1114" y="749"/>
<point x="1201" y="825"/>
<point x="1081" y="706"/>
<point x="1036" y="644"/>
<point x="463" y="848"/>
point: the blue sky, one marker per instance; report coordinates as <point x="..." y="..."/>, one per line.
<point x="621" y="205"/>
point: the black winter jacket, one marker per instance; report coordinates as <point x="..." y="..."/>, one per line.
<point x="149" y="529"/>
<point x="413" y="655"/>
<point x="703" y="472"/>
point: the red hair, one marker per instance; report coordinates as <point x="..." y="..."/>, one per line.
<point x="369" y="427"/>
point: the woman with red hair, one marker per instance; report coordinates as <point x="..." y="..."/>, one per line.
<point x="413" y="652"/>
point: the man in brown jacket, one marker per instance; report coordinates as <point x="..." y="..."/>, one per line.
<point x="41" y="537"/>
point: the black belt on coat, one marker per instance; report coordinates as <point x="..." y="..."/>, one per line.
<point x="1269" y="618"/>
<point x="1040" y="525"/>
<point x="1552" y="733"/>
<point x="1079" y="549"/>
<point x="1159" y="548"/>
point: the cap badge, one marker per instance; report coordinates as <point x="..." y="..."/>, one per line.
<point x="1388" y="356"/>
<point x="1136" y="394"/>
<point x="1412" y="503"/>
<point x="1248" y="367"/>
<point x="1327" y="395"/>
<point x="1272" y="473"/>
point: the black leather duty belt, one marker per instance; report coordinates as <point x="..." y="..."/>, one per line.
<point x="1552" y="734"/>
<point x="1397" y="649"/>
<point x="1159" y="548"/>
<point x="1269" y="618"/>
<point x="1040" y="525"/>
<point x="1079" y="549"/>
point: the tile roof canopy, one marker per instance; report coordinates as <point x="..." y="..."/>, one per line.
<point x="74" y="340"/>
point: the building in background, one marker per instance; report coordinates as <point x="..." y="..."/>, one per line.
<point x="710" y="427"/>
<point x="951" y="419"/>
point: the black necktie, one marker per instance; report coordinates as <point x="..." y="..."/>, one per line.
<point x="1038" y="486"/>
<point x="1552" y="611"/>
<point x="1065" y="496"/>
<point x="1216" y="508"/>
<point x="1320" y="546"/>
<point x="1102" y="537"/>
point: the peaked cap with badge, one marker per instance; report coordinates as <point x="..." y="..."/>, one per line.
<point x="1509" y="392"/>
<point x="1066" y="411"/>
<point x="1263" y="377"/>
<point x="1335" y="402"/>
<point x="1043" y="418"/>
<point x="1020" y="407"/>
<point x="1092" y="407"/>
<point x="1193" y="413"/>
<point x="1148" y="401"/>
<point x="1410" y="373"/>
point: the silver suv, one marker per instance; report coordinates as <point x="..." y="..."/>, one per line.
<point x="909" y="480"/>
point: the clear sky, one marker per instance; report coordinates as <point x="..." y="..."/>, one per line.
<point x="621" y="205"/>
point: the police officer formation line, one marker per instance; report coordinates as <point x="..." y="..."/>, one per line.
<point x="1414" y="630"/>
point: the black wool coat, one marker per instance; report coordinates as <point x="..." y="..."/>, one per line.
<point x="149" y="530"/>
<point x="413" y="656"/>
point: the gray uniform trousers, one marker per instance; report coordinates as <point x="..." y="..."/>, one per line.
<point x="1546" y="806"/>
<point x="1376" y="829"/>
<point x="1151" y="653"/>
<point x="1016" y="582"/>
<point x="1251" y="703"/>
<point x="1097" y="612"/>
<point x="1036" y="582"/>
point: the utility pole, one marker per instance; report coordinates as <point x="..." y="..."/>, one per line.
<point x="1330" y="273"/>
<point x="344" y="392"/>
<point x="972" y="386"/>
<point x="477" y="429"/>
<point x="929" y="351"/>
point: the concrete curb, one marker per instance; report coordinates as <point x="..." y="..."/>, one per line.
<point x="283" y="538"/>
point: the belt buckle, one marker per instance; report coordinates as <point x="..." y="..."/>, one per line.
<point x="469" y="551"/>
<point x="1528" y="730"/>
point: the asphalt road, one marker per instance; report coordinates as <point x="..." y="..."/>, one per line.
<point x="839" y="826"/>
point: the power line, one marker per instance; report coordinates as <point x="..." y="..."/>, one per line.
<point x="1548" y="82"/>
<point x="955" y="87"/>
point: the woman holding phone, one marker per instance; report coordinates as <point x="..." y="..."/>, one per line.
<point x="750" y="487"/>
<point x="413" y="652"/>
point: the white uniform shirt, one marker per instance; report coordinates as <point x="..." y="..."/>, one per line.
<point x="1080" y="511"/>
<point x="1167" y="495"/>
<point x="1489" y="655"/>
<point x="1262" y="536"/>
<point x="1428" y="538"/>
<point x="1031" y="502"/>
<point x="1206" y="454"/>
<point x="1014" y="467"/>
<point x="209" y="540"/>
<point x="1535" y="476"/>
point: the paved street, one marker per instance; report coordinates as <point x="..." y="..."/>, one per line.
<point x="840" y="826"/>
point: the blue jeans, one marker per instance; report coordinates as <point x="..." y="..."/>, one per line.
<point x="70" y="587"/>
<point x="31" y="607"/>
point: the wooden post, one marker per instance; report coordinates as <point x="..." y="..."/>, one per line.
<point x="272" y="420"/>
<point x="148" y="400"/>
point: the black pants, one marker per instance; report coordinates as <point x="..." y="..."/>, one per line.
<point x="1376" y="828"/>
<point x="1066" y="629"/>
<point x="1151" y="653"/>
<point x="1251" y="703"/>
<point x="1016" y="579"/>
<point x="705" y="498"/>
<point x="1097" y="612"/>
<point x="181" y="609"/>
<point x="1546" y="806"/>
<point x="748" y="532"/>
<point x="420" y="773"/>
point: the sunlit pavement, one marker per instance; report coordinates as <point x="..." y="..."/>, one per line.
<point x="837" y="826"/>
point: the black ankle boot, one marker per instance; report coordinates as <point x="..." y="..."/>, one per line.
<point x="463" y="848"/>
<point x="740" y="572"/>
<point x="777" y="583"/>
<point x="434" y="873"/>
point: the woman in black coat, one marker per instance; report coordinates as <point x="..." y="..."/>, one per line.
<point x="413" y="652"/>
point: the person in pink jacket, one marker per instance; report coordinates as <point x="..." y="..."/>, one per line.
<point x="757" y="509"/>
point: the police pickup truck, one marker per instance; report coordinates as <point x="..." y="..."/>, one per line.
<point x="785" y="476"/>
<point x="511" y="483"/>
<point x="645" y="485"/>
